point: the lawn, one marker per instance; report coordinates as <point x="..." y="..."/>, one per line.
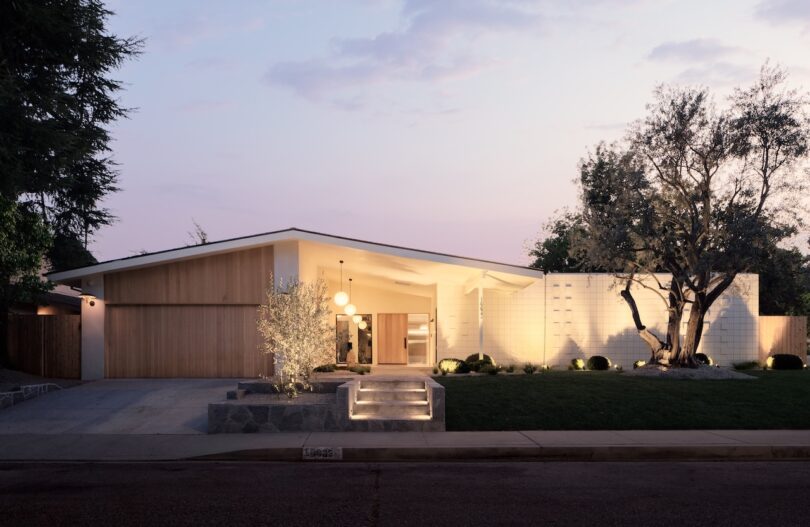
<point x="608" y="400"/>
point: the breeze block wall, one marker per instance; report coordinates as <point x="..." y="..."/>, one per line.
<point x="585" y="316"/>
<point x="568" y="316"/>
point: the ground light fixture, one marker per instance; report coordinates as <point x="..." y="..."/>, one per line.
<point x="341" y="298"/>
<point x="350" y="308"/>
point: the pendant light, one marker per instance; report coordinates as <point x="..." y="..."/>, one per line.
<point x="350" y="308"/>
<point x="341" y="298"/>
<point x="362" y="324"/>
<point x="357" y="319"/>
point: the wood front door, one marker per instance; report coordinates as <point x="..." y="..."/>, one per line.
<point x="392" y="339"/>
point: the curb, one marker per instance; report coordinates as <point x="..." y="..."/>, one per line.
<point x="564" y="453"/>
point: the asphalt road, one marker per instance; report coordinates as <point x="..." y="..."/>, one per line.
<point x="515" y="493"/>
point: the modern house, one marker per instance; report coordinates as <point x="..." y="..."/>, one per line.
<point x="191" y="311"/>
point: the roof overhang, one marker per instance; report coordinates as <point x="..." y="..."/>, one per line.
<point x="259" y="240"/>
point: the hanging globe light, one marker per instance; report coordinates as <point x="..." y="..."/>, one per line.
<point x="362" y="324"/>
<point x="341" y="298"/>
<point x="357" y="319"/>
<point x="350" y="308"/>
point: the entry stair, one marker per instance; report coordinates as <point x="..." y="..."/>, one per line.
<point x="396" y="399"/>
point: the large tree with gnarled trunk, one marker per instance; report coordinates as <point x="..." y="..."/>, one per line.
<point x="699" y="193"/>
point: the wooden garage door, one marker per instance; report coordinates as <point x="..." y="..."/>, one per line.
<point x="183" y="341"/>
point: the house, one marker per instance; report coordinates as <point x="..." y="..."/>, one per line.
<point x="191" y="311"/>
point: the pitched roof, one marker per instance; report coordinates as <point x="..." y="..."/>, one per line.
<point x="257" y="240"/>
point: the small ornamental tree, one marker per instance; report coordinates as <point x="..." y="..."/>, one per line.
<point x="294" y="326"/>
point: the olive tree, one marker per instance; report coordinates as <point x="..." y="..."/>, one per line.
<point x="293" y="326"/>
<point x="698" y="193"/>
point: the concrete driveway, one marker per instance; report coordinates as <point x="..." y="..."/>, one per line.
<point x="119" y="406"/>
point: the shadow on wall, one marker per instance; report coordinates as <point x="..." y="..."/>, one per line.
<point x="730" y="332"/>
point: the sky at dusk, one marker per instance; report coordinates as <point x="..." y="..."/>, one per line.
<point x="446" y="125"/>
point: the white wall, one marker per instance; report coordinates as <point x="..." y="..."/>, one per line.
<point x="567" y="316"/>
<point x="585" y="316"/>
<point x="513" y="323"/>
<point x="93" y="329"/>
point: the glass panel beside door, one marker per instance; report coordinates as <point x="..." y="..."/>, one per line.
<point x="418" y="339"/>
<point x="353" y="342"/>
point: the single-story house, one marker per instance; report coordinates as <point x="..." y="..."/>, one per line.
<point x="191" y="311"/>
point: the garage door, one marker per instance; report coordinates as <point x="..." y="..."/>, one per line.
<point x="183" y="341"/>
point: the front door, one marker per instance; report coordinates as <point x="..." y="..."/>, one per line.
<point x="392" y="339"/>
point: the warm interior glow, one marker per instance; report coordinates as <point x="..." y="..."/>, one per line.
<point x="357" y="319"/>
<point x="350" y="309"/>
<point x="362" y="324"/>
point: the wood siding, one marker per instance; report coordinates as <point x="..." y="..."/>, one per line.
<point x="232" y="278"/>
<point x="195" y="318"/>
<point x="183" y="341"/>
<point x="782" y="335"/>
<point x="48" y="345"/>
<point x="392" y="335"/>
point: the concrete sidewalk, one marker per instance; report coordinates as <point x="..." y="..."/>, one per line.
<point x="626" y="445"/>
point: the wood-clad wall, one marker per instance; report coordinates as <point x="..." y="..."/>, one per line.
<point x="46" y="345"/>
<point x="782" y="335"/>
<point x="195" y="318"/>
<point x="231" y="278"/>
<point x="183" y="341"/>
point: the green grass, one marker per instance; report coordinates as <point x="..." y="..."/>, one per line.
<point x="608" y="400"/>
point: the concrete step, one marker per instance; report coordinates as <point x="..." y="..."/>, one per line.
<point x="393" y="394"/>
<point x="392" y="384"/>
<point x="390" y="409"/>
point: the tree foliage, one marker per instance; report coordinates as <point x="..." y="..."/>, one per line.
<point x="57" y="100"/>
<point x="701" y="193"/>
<point x="294" y="326"/>
<point x="558" y="250"/>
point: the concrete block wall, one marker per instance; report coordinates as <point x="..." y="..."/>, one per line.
<point x="567" y="316"/>
<point x="586" y="316"/>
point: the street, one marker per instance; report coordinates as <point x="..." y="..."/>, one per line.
<point x="512" y="493"/>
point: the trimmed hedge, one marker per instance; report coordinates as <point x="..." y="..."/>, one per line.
<point x="325" y="368"/>
<point x="599" y="363"/>
<point x="704" y="359"/>
<point x="454" y="366"/>
<point x="474" y="358"/>
<point x="784" y="361"/>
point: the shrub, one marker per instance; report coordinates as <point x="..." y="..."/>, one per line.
<point x="489" y="369"/>
<point x="360" y="370"/>
<point x="529" y="368"/>
<point x="577" y="364"/>
<point x="435" y="371"/>
<point x="444" y="372"/>
<point x="510" y="368"/>
<point x="474" y="358"/>
<point x="639" y="364"/>
<point x="748" y="365"/>
<point x="704" y="359"/>
<point x="783" y="361"/>
<point x="454" y="366"/>
<point x="598" y="362"/>
<point x="325" y="368"/>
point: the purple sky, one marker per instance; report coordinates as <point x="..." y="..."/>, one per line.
<point x="451" y="125"/>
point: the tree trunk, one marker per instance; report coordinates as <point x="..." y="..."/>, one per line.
<point x="651" y="339"/>
<point x="694" y="332"/>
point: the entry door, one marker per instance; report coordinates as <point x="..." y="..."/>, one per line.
<point x="392" y="339"/>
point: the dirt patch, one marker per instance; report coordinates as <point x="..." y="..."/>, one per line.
<point x="702" y="373"/>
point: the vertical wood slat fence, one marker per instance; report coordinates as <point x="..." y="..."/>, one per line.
<point x="778" y="334"/>
<point x="46" y="345"/>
